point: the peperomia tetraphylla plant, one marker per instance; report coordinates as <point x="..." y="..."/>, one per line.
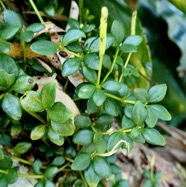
<point x="74" y="149"/>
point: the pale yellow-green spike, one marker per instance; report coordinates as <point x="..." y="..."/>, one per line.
<point x="102" y="34"/>
<point x="133" y="22"/>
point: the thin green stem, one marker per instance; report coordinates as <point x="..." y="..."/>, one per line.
<point x="2" y="95"/>
<point x="83" y="179"/>
<point x="120" y="99"/>
<point x="70" y="52"/>
<point x="30" y="176"/>
<point x="63" y="167"/>
<point x="23" y="46"/>
<point x="22" y="160"/>
<point x="37" y="116"/>
<point x="36" y="11"/>
<point x="2" y="4"/>
<point x="127" y="60"/>
<point x="112" y="66"/>
<point x="3" y="171"/>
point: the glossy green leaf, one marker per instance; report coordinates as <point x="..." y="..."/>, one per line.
<point x="23" y="83"/>
<point x="70" y="66"/>
<point x="22" y="147"/>
<point x="92" y="107"/>
<point x="86" y="91"/>
<point x="37" y="132"/>
<point x="88" y="28"/>
<point x="55" y="138"/>
<point x="157" y="93"/>
<point x="152" y="118"/>
<point x="99" y="97"/>
<point x="152" y="136"/>
<point x="101" y="167"/>
<point x="3" y="181"/>
<point x="117" y="31"/>
<point x="75" y="47"/>
<point x="134" y="133"/>
<point x="74" y="24"/>
<point x="6" y="163"/>
<point x="35" y="27"/>
<point x="72" y="35"/>
<point x="161" y="112"/>
<point x="64" y="129"/>
<point x="139" y="113"/>
<point x="16" y="129"/>
<point x="127" y="123"/>
<point x="8" y="64"/>
<point x="110" y="107"/>
<point x="31" y="102"/>
<point x="41" y="183"/>
<point x="100" y="143"/>
<point x="48" y="90"/>
<point x="139" y="138"/>
<point x="58" y="161"/>
<point x="49" y="183"/>
<point x="92" y="61"/>
<point x="51" y="171"/>
<point x="81" y="162"/>
<point x="140" y="94"/>
<point x="44" y="47"/>
<point x="83" y="137"/>
<point x="128" y="108"/>
<point x="82" y="121"/>
<point x="11" y="106"/>
<point x="26" y="36"/>
<point x="9" y="32"/>
<point x="104" y="122"/>
<point x="91" y="177"/>
<point x="4" y="47"/>
<point x="12" y="18"/>
<point x="130" y="44"/>
<point x="49" y="9"/>
<point x="111" y="85"/>
<point x="6" y="80"/>
<point x="37" y="166"/>
<point x="12" y="175"/>
<point x="89" y="74"/>
<point x="59" y="113"/>
<point x="94" y="46"/>
<point x="113" y="140"/>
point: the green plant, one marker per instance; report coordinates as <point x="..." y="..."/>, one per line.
<point x="74" y="149"/>
<point x="152" y="178"/>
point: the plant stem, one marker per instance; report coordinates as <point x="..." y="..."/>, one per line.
<point x="83" y="179"/>
<point x="3" y="171"/>
<point x="23" y="46"/>
<point x="63" y="167"/>
<point x="120" y="99"/>
<point x="30" y="176"/>
<point x="37" y="116"/>
<point x="36" y="11"/>
<point x="127" y="60"/>
<point x="22" y="160"/>
<point x="112" y="66"/>
<point x="2" y="95"/>
<point x="102" y="45"/>
<point x="2" y="4"/>
<point x="70" y="52"/>
<point x="133" y="22"/>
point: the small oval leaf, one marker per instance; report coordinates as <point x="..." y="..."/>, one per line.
<point x="44" y="47"/>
